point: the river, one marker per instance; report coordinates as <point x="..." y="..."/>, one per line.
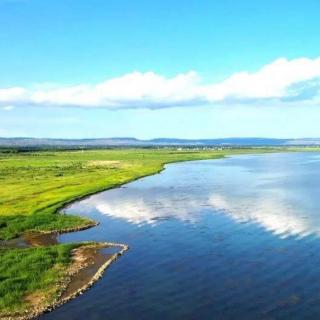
<point x="233" y="238"/>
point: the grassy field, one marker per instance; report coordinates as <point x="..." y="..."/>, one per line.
<point x="27" y="274"/>
<point x="34" y="185"/>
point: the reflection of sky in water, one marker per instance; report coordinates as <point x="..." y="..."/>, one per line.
<point x="211" y="239"/>
<point x="278" y="192"/>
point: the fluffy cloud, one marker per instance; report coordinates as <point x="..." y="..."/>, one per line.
<point x="278" y="80"/>
<point x="8" y="108"/>
<point x="282" y="81"/>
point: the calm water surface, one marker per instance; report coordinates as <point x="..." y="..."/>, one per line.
<point x="236" y="238"/>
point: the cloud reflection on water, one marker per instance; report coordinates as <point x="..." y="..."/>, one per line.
<point x="148" y="208"/>
<point x="274" y="215"/>
<point x="282" y="200"/>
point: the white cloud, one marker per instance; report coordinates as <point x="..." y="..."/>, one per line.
<point x="282" y="81"/>
<point x="13" y="94"/>
<point x="273" y="81"/>
<point x="8" y="108"/>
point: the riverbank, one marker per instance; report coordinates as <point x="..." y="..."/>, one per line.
<point x="89" y="262"/>
<point x="36" y="185"/>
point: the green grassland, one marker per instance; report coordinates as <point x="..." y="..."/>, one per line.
<point x="31" y="271"/>
<point x="35" y="185"/>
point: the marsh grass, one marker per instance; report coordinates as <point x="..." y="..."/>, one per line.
<point x="24" y="271"/>
<point x="13" y="226"/>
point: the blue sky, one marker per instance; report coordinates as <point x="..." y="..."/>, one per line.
<point x="194" y="69"/>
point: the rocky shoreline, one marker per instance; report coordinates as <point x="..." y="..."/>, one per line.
<point x="74" y="268"/>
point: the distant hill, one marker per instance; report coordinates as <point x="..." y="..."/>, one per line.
<point x="112" y="142"/>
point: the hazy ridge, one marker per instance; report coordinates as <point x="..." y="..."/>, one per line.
<point x="109" y="142"/>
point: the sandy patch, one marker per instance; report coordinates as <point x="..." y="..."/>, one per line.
<point x="104" y="164"/>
